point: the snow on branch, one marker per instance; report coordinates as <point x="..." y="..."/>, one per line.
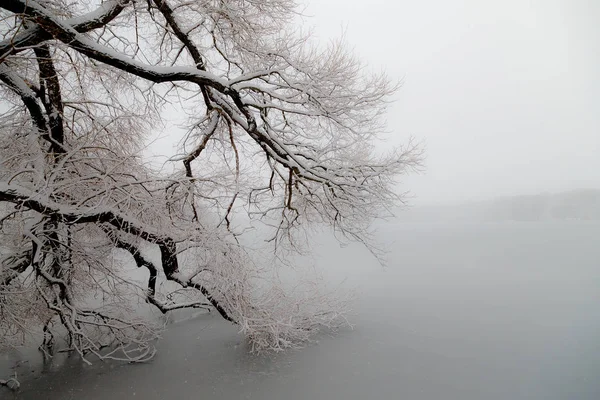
<point x="281" y="136"/>
<point x="98" y="18"/>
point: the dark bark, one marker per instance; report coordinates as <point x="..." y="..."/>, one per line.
<point x="19" y="264"/>
<point x="25" y="199"/>
<point x="170" y="268"/>
<point x="51" y="98"/>
<point x="36" y="35"/>
<point x="29" y="99"/>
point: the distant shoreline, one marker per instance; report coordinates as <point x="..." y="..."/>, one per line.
<point x="582" y="204"/>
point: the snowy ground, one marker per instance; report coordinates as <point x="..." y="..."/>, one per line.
<point x="497" y="311"/>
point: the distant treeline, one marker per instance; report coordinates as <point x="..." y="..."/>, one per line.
<point x="581" y="204"/>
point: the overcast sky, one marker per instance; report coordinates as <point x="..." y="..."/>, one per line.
<point x="505" y="94"/>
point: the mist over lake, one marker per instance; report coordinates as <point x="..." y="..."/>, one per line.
<point x="188" y="190"/>
<point x="502" y="310"/>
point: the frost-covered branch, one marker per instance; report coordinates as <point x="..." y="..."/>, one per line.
<point x="280" y="137"/>
<point x="34" y="35"/>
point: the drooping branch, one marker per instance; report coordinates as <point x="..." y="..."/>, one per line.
<point x="141" y="261"/>
<point x="297" y="121"/>
<point x="24" y="198"/>
<point x="168" y="251"/>
<point x="213" y="301"/>
<point x="167" y="245"/>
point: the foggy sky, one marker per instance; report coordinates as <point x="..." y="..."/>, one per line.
<point x="504" y="94"/>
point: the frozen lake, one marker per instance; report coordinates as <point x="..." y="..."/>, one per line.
<point x="463" y="311"/>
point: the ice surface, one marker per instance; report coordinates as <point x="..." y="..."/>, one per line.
<point x="471" y="311"/>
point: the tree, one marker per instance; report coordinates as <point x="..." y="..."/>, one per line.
<point x="281" y="134"/>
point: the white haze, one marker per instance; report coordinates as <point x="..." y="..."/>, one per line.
<point x="505" y="95"/>
<point x="489" y="311"/>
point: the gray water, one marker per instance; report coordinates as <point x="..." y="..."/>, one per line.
<point x="471" y="311"/>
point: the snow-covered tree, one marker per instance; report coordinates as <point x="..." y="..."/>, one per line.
<point x="280" y="136"/>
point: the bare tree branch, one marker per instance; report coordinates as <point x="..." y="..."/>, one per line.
<point x="272" y="117"/>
